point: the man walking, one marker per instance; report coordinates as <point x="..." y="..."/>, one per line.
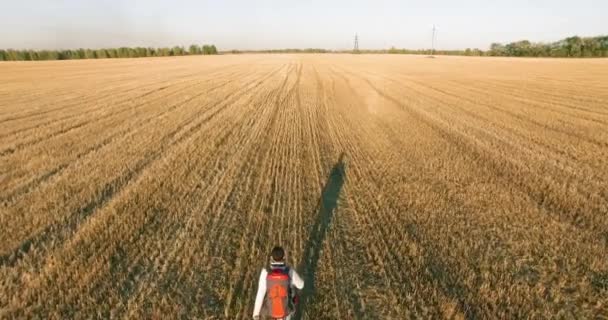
<point x="276" y="288"/>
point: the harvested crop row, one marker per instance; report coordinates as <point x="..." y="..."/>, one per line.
<point x="401" y="187"/>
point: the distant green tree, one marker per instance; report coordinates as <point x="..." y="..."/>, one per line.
<point x="603" y="44"/>
<point x="108" y="53"/>
<point x="518" y="49"/>
<point x="590" y="47"/>
<point x="194" y="49"/>
<point x="163" y="52"/>
<point x="574" y="46"/>
<point x="497" y="49"/>
<point x="80" y="53"/>
<point x="209" y="49"/>
<point x="88" y="54"/>
<point x="558" y="49"/>
<point x="101" y="54"/>
<point x="123" y="52"/>
<point x="8" y="55"/>
<point x="62" y="55"/>
<point x="178" y="51"/>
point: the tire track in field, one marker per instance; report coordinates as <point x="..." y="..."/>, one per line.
<point x="333" y="145"/>
<point x="218" y="224"/>
<point x="555" y="99"/>
<point x="37" y="181"/>
<point x="118" y="183"/>
<point x="67" y="117"/>
<point x="506" y="171"/>
<point x="36" y="110"/>
<point x="549" y="107"/>
<point x="92" y="120"/>
<point x="107" y="115"/>
<point x="111" y="93"/>
<point x="294" y="195"/>
<point x="260" y="202"/>
<point x="326" y="151"/>
<point x="225" y="236"/>
<point x="528" y="100"/>
<point x="217" y="197"/>
<point x="523" y="305"/>
<point x="250" y="89"/>
<point x="517" y="116"/>
<point x="303" y="151"/>
<point x="178" y="235"/>
<point x="308" y="116"/>
<point x="451" y="287"/>
<point x="327" y="148"/>
<point x="174" y="251"/>
<point x="28" y="186"/>
<point x="592" y="171"/>
<point x="358" y="153"/>
<point x="167" y="265"/>
<point x="273" y="137"/>
<point x="33" y="141"/>
<point x="489" y="106"/>
<point x="281" y="181"/>
<point x="405" y="155"/>
<point x="95" y="99"/>
<point x="164" y="83"/>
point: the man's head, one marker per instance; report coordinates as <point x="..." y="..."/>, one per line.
<point x="277" y="255"/>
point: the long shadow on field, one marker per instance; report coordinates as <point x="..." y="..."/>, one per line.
<point x="326" y="207"/>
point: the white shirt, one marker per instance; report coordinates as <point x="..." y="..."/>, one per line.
<point x="294" y="281"/>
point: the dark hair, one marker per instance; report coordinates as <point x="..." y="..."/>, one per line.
<point x="277" y="254"/>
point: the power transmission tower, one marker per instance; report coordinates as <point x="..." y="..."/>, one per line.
<point x="356" y="49"/>
<point x="433" y="42"/>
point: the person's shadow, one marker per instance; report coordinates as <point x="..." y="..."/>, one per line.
<point x="325" y="211"/>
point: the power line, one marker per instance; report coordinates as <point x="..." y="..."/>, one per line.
<point x="433" y="41"/>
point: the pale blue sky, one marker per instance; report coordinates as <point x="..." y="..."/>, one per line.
<point x="241" y="24"/>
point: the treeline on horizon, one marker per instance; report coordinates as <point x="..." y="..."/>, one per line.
<point x="106" y="53"/>
<point x="572" y="47"/>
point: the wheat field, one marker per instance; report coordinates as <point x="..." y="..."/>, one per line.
<point x="401" y="186"/>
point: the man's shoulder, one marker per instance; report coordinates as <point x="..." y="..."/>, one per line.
<point x="292" y="270"/>
<point x="263" y="273"/>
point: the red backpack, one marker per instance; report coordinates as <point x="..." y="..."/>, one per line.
<point x="277" y="293"/>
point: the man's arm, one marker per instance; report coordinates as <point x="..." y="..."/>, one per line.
<point x="296" y="281"/>
<point x="259" y="298"/>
